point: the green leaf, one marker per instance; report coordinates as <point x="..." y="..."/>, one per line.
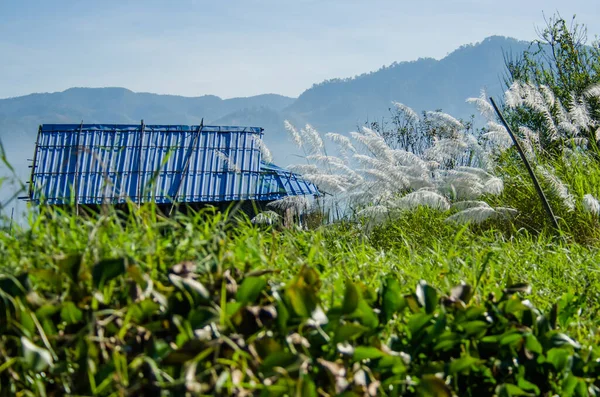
<point x="250" y="289"/>
<point x="367" y="352"/>
<point x="391" y="300"/>
<point x="70" y="313"/>
<point x="365" y="315"/>
<point x="432" y="386"/>
<point x="475" y="327"/>
<point x="462" y="292"/>
<point x="461" y="364"/>
<point x="351" y="298"/>
<point x="306" y="387"/>
<point x="558" y="357"/>
<point x="15" y="286"/>
<point x="34" y="357"/>
<point x="508" y="389"/>
<point x="532" y="344"/>
<point x="106" y="270"/>
<point x="70" y="265"/>
<point x="559" y="339"/>
<point x="518" y="287"/>
<point x="194" y="287"/>
<point x="427" y="296"/>
<point x="528" y="386"/>
<point x="348" y="332"/>
<point x="279" y="359"/>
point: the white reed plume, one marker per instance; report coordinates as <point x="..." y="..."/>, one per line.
<point x="463" y="205"/>
<point x="290" y="202"/>
<point x="327" y="182"/>
<point x="591" y="204"/>
<point x="266" y="218"/>
<point x="304" y="168"/>
<point x="483" y="105"/>
<point x="313" y="138"/>
<point x="375" y="213"/>
<point x="426" y="198"/>
<point x="294" y="133"/>
<point x="343" y="141"/>
<point x="558" y="187"/>
<point x="409" y="113"/>
<point x="479" y="214"/>
<point x="228" y="161"/>
<point x="264" y="150"/>
<point x="592" y="92"/>
<point x="445" y="120"/>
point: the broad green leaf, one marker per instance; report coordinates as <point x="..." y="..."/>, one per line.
<point x="35" y="358"/>
<point x="306" y="387"/>
<point x="70" y="313"/>
<point x="250" y="289"/>
<point x="351" y="298"/>
<point x="365" y="315"/>
<point x="106" y="270"/>
<point x="347" y="332"/>
<point x="462" y="292"/>
<point x="70" y="265"/>
<point x="559" y="339"/>
<point x="508" y="389"/>
<point x="367" y="352"/>
<point x="461" y="364"/>
<point x="427" y="296"/>
<point x="533" y="345"/>
<point x="432" y="386"/>
<point x="15" y="285"/>
<point x="279" y="359"/>
<point x="475" y="327"/>
<point x="558" y="357"/>
<point x="391" y="298"/>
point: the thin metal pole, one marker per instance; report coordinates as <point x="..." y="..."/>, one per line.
<point x="12" y="214"/>
<point x="186" y="165"/>
<point x="37" y="142"/>
<point x="139" y="164"/>
<point x="76" y="182"/>
<point x="538" y="188"/>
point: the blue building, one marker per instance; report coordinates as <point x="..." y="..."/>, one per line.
<point x="95" y="164"/>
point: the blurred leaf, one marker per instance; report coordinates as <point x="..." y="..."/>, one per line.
<point x="532" y="344"/>
<point x="559" y="339"/>
<point x="432" y="386"/>
<point x="427" y="296"/>
<point x="278" y="359"/>
<point x="15" y="286"/>
<point x="365" y="315"/>
<point x="462" y="292"/>
<point x="106" y="270"/>
<point x="35" y="358"/>
<point x="518" y="287"/>
<point x="351" y="298"/>
<point x="367" y="352"/>
<point x="347" y="332"/>
<point x="190" y="285"/>
<point x="70" y="313"/>
<point x="70" y="265"/>
<point x="392" y="300"/>
<point x="462" y="364"/>
<point x="250" y="289"/>
<point x="559" y="358"/>
<point x="306" y="387"/>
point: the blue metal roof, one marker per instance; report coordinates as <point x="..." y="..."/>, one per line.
<point x="276" y="183"/>
<point x="113" y="163"/>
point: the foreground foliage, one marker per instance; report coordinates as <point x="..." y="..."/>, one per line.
<point x="212" y="330"/>
<point x="207" y="304"/>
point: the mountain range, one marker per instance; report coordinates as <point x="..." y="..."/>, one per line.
<point x="339" y="105"/>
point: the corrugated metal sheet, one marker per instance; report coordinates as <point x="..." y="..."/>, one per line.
<point x="277" y="183"/>
<point x="109" y="163"/>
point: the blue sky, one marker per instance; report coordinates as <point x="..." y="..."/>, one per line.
<point x="244" y="47"/>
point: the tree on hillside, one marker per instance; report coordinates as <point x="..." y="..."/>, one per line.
<point x="563" y="60"/>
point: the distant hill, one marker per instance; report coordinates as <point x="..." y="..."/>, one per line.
<point x="334" y="105"/>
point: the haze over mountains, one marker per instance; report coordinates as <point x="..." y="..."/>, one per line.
<point x="338" y="105"/>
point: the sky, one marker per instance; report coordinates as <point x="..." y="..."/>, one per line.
<point x="241" y="48"/>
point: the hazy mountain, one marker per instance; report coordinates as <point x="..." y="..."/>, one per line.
<point x="334" y="105"/>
